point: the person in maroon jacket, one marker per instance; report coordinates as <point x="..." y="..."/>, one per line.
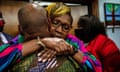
<point x="92" y="32"/>
<point x="4" y="37"/>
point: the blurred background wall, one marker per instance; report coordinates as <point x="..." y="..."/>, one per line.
<point x="9" y="11"/>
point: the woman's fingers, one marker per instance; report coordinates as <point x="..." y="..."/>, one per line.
<point x="46" y="55"/>
<point x="59" y="45"/>
<point x="64" y="48"/>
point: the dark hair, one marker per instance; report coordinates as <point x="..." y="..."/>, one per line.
<point x="1" y="16"/>
<point x="1" y="29"/>
<point x="3" y="22"/>
<point x="91" y="27"/>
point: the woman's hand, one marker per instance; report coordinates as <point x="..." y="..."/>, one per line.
<point x="58" y="44"/>
<point x="46" y="55"/>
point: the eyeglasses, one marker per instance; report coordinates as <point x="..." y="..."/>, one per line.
<point x="65" y="27"/>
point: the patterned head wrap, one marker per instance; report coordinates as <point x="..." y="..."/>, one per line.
<point x="57" y="9"/>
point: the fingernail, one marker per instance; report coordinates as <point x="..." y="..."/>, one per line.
<point x="54" y="64"/>
<point x="39" y="59"/>
<point x="44" y="60"/>
<point x="38" y="54"/>
<point x="49" y="59"/>
<point x="51" y="62"/>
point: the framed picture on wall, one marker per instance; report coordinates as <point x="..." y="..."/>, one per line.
<point x="112" y="15"/>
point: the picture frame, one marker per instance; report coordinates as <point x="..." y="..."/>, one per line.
<point x="112" y="15"/>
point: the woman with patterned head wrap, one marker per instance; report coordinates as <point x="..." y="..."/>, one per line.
<point x="60" y="15"/>
<point x="31" y="19"/>
<point x="79" y="60"/>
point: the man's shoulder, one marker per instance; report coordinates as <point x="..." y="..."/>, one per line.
<point x="18" y="39"/>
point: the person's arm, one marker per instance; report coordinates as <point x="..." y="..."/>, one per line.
<point x="30" y="47"/>
<point x="82" y="56"/>
<point x="54" y="46"/>
<point x="9" y="54"/>
<point x="78" y="56"/>
<point x="13" y="52"/>
<point x="88" y="61"/>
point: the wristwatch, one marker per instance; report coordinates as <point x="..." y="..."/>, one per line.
<point x="75" y="50"/>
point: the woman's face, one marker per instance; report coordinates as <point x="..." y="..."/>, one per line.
<point x="60" y="26"/>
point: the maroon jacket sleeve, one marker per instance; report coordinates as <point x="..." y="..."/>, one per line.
<point x="107" y="52"/>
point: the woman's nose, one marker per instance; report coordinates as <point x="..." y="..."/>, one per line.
<point x="59" y="28"/>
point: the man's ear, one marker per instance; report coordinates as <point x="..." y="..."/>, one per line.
<point x="49" y="23"/>
<point x="20" y="29"/>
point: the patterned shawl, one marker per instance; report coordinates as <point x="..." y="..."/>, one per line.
<point x="66" y="63"/>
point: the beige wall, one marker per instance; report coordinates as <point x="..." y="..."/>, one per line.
<point x="77" y="11"/>
<point x="10" y="10"/>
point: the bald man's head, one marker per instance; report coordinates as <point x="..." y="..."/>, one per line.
<point x="33" y="20"/>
